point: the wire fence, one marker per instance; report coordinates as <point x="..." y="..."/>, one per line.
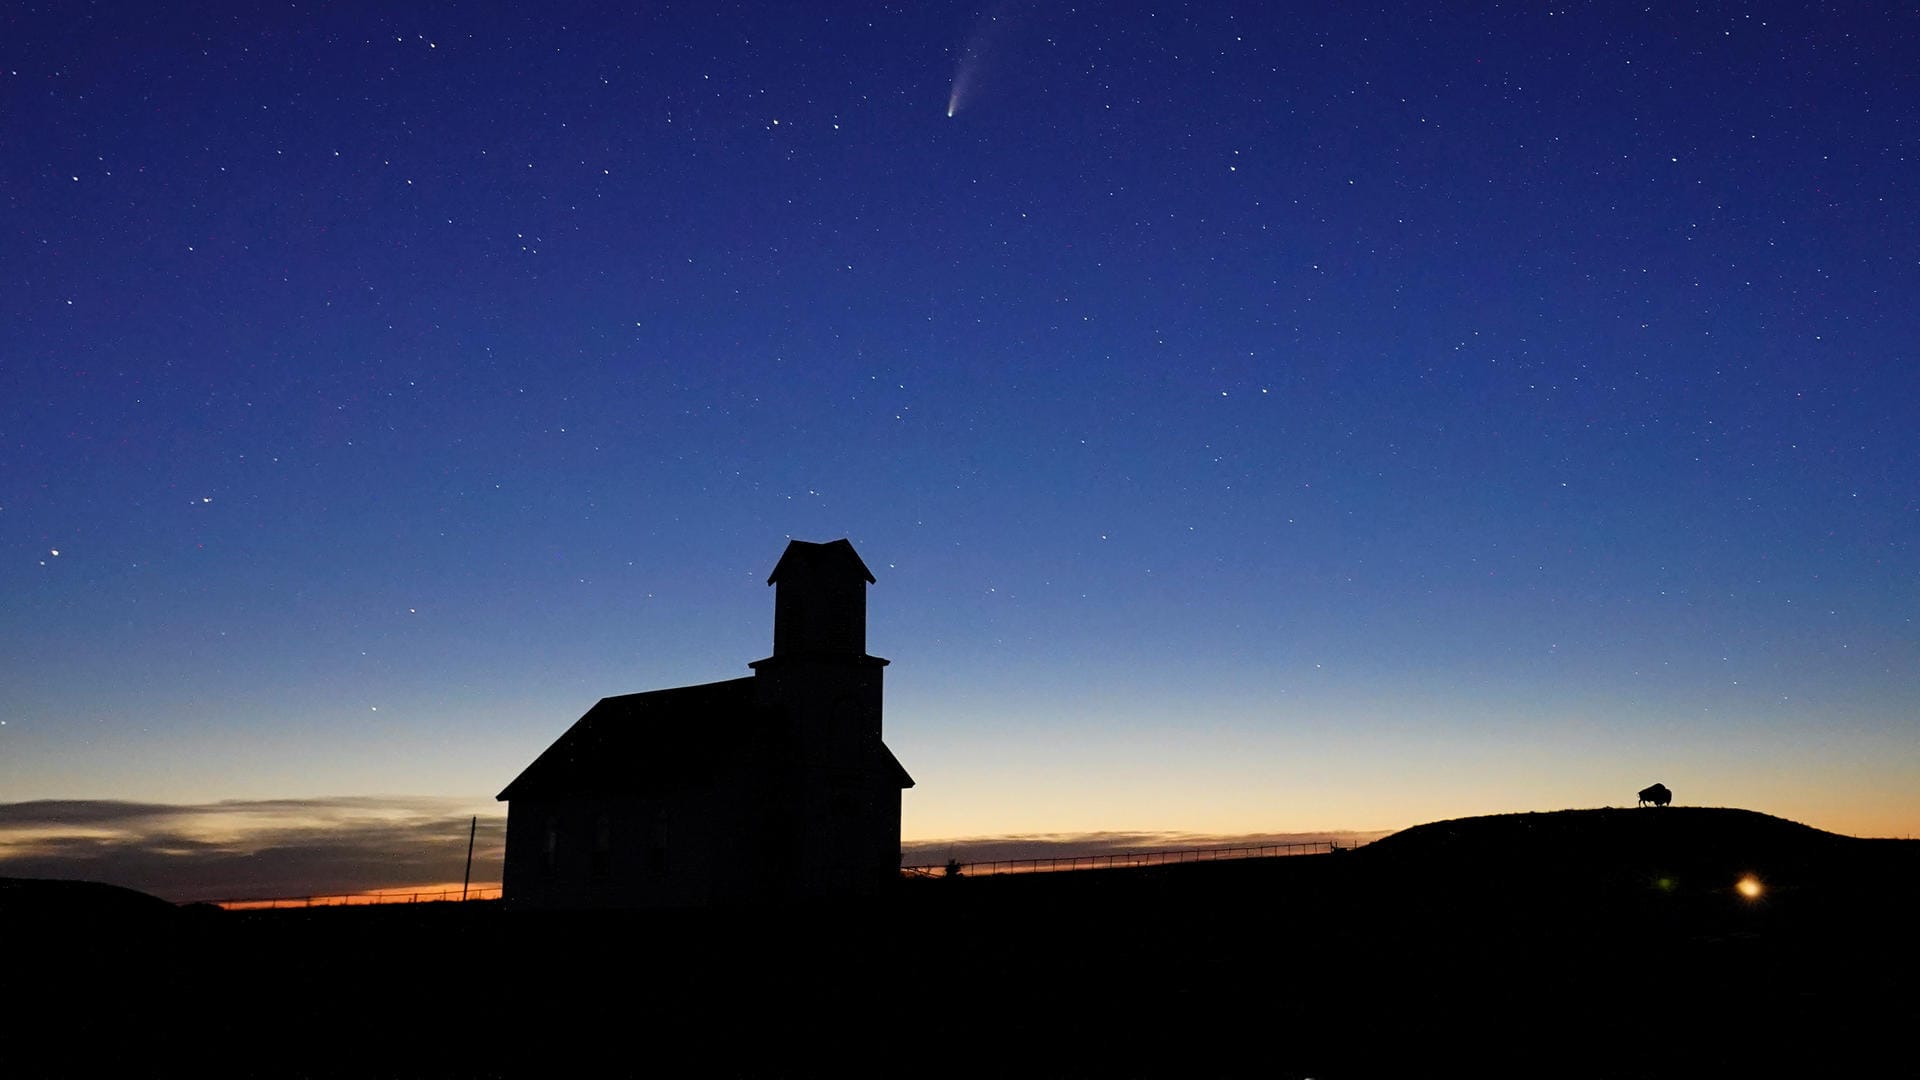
<point x="424" y="896"/>
<point x="1119" y="859"/>
<point x="985" y="868"/>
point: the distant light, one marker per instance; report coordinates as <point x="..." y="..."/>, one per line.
<point x="1749" y="887"/>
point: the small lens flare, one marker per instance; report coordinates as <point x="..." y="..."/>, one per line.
<point x="1749" y="887"/>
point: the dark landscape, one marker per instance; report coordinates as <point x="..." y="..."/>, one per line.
<point x="1577" y="943"/>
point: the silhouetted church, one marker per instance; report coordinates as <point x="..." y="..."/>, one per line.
<point x="772" y="786"/>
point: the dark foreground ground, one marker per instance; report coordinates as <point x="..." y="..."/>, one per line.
<point x="1581" y="943"/>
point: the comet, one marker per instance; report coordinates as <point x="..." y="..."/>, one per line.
<point x="962" y="81"/>
<point x="985" y="31"/>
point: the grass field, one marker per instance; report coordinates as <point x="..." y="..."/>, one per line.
<point x="1581" y="943"/>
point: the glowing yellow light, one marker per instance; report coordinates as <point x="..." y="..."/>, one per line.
<point x="1749" y="887"/>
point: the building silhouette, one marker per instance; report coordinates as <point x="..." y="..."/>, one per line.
<point x="775" y="786"/>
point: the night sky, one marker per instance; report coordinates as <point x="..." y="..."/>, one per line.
<point x="1256" y="419"/>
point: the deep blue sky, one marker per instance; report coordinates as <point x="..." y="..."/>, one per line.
<point x="1257" y="419"/>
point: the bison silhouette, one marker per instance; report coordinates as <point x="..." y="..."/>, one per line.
<point x="1658" y="795"/>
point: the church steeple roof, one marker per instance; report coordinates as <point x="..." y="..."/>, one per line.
<point x="835" y="558"/>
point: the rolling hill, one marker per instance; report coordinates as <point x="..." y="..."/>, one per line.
<point x="1602" y="943"/>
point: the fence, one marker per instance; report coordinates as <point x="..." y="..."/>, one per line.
<point x="1118" y="859"/>
<point x="1108" y="861"/>
<point x="477" y="892"/>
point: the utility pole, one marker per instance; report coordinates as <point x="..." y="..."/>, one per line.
<point x="472" y="828"/>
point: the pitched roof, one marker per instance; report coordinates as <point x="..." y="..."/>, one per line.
<point x="892" y="767"/>
<point x="835" y="558"/>
<point x="643" y="742"/>
<point x="649" y="742"/>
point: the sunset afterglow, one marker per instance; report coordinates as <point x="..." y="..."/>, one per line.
<point x="1258" y="419"/>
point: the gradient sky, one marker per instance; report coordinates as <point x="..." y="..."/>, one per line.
<point x="1257" y="419"/>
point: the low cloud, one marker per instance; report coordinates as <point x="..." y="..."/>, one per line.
<point x="978" y="849"/>
<point x="278" y="848"/>
<point x="245" y="849"/>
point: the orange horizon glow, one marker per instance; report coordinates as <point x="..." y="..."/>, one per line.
<point x="393" y="894"/>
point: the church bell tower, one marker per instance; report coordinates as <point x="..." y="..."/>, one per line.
<point x="840" y="797"/>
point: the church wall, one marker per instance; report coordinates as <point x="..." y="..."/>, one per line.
<point x="628" y="852"/>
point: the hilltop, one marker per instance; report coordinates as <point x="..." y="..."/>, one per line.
<point x="1619" y="835"/>
<point x="24" y="900"/>
<point x="1673" y="850"/>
